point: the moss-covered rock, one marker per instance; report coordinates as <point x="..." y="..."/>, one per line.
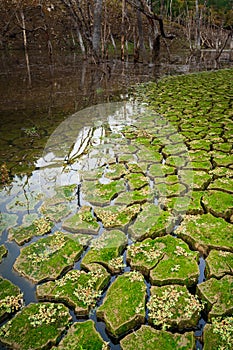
<point x="149" y="338"/>
<point x="173" y="307"/>
<point x="106" y="250"/>
<point x="124" y="305"/>
<point x="218" y="203"/>
<point x="36" y="327"/>
<point x="206" y="232"/>
<point x="82" y="222"/>
<point x="3" y="252"/>
<point x="48" y="257"/>
<point x="82" y="335"/>
<point x="23" y="234"/>
<point x="151" y="222"/>
<point x="101" y="194"/>
<point x="219" y="263"/>
<point x="218" y="296"/>
<point x="117" y="216"/>
<point x="219" y="334"/>
<point x="11" y="298"/>
<point x="78" y="289"/>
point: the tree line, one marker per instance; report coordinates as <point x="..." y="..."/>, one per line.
<point x="100" y="29"/>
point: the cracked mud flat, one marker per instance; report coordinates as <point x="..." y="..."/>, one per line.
<point x="149" y="198"/>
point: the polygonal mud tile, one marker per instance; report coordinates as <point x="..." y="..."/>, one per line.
<point x="151" y="222"/>
<point x="82" y="222"/>
<point x="206" y="232"/>
<point x="165" y="260"/>
<point x="102" y="194"/>
<point x="169" y="190"/>
<point x="222" y="184"/>
<point x="222" y="159"/>
<point x="141" y="196"/>
<point x="200" y="145"/>
<point x="23" y="234"/>
<point x="78" y="289"/>
<point x="217" y="294"/>
<point x="149" y="338"/>
<point x="197" y="180"/>
<point x="115" y="171"/>
<point x="173" y="307"/>
<point x="23" y="202"/>
<point x="36" y="326"/>
<point x="49" y="257"/>
<point x="106" y="251"/>
<point x="3" y="252"/>
<point x="83" y="335"/>
<point x="117" y="216"/>
<point x="11" y="298"/>
<point x="218" y="203"/>
<point x="136" y="181"/>
<point x="219" y="263"/>
<point x="174" y="149"/>
<point x="56" y="212"/>
<point x="160" y="170"/>
<point x="219" y="334"/>
<point x="149" y="154"/>
<point x="123" y="307"/>
<point x="189" y="204"/>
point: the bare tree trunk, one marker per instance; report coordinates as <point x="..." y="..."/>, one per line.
<point x="123" y="31"/>
<point x="198" y="30"/>
<point x="25" y="47"/>
<point x="140" y="35"/>
<point x="96" y="38"/>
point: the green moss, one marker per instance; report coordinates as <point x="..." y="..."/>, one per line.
<point x="48" y="257"/>
<point x="200" y="144"/>
<point x="117" y="216"/>
<point x="124" y="305"/>
<point x="160" y="170"/>
<point x="82" y="222"/>
<point x="66" y="192"/>
<point x="218" y="296"/>
<point x="82" y="335"/>
<point x="173" y="149"/>
<point x="219" y="334"/>
<point x="36" y="326"/>
<point x="222" y="159"/>
<point x="3" y="252"/>
<point x="185" y="205"/>
<point x="169" y="190"/>
<point x="23" y="202"/>
<point x="115" y="171"/>
<point x="219" y="263"/>
<point x="151" y="155"/>
<point x="151" y="222"/>
<point x="78" y="289"/>
<point x="218" y="203"/>
<point x="23" y="234"/>
<point x="149" y="338"/>
<point x="11" y="298"/>
<point x="173" y="307"/>
<point x="206" y="232"/>
<point x="106" y="250"/>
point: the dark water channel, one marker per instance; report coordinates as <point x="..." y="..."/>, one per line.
<point x="30" y="114"/>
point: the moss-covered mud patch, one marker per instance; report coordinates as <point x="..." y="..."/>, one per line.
<point x="48" y="257"/>
<point x="36" y="326"/>
<point x="11" y="298"/>
<point x="124" y="305"/>
<point x="82" y="336"/>
<point x="149" y="338"/>
<point x="78" y="289"/>
<point x="165" y="260"/>
<point x="219" y="334"/>
<point x="3" y="252"/>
